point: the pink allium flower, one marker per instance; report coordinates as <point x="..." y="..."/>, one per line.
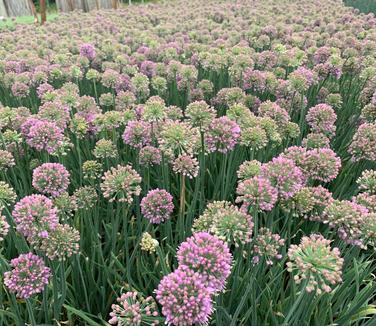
<point x="284" y="175"/>
<point x="186" y="165"/>
<point x="51" y="179"/>
<point x="185" y="298"/>
<point x="208" y="255"/>
<point x="257" y="192"/>
<point x="20" y="89"/>
<point x="150" y="155"/>
<point x="4" y="227"/>
<point x="273" y="110"/>
<point x="321" y="164"/>
<point x="87" y="51"/>
<point x="35" y="216"/>
<point x="43" y="89"/>
<point x="28" y="276"/>
<point x="321" y="119"/>
<point x="363" y="143"/>
<point x="267" y="245"/>
<point x="222" y="135"/>
<point x="157" y="206"/>
<point x="137" y="134"/>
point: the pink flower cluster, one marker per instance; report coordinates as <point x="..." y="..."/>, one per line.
<point x="51" y="179"/>
<point x="157" y="206"/>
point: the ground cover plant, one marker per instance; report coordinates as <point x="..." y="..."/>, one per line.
<point x="210" y="164"/>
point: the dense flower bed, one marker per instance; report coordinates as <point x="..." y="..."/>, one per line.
<point x="210" y="163"/>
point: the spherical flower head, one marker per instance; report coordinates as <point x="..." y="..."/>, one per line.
<point x="65" y="205"/>
<point x="4" y="227"/>
<point x="51" y="179"/>
<point x="301" y="79"/>
<point x="85" y="197"/>
<point x="121" y="183"/>
<point x="200" y="114"/>
<point x="6" y="160"/>
<point x="7" y="194"/>
<point x="249" y="169"/>
<point x="140" y="85"/>
<point x="185" y="298"/>
<point x="91" y="170"/>
<point x="274" y="111"/>
<point x="363" y="146"/>
<point x="29" y="275"/>
<point x="296" y="154"/>
<point x="207" y="255"/>
<point x="43" y="89"/>
<point x="35" y="216"/>
<point x="148" y="243"/>
<point x="227" y="222"/>
<point x="154" y="110"/>
<point x="316" y="140"/>
<point x="222" y="135"/>
<point x="62" y="243"/>
<point x="20" y="89"/>
<point x="56" y="112"/>
<point x="315" y="264"/>
<point x="241" y="114"/>
<point x="132" y="309"/>
<point x="368" y="230"/>
<point x="284" y="175"/>
<point x="254" y="137"/>
<point x="257" y="193"/>
<point x="157" y="206"/>
<point x="367" y="200"/>
<point x="88" y="51"/>
<point x="43" y="135"/>
<point x="367" y="181"/>
<point x="321" y="118"/>
<point x="150" y="156"/>
<point x="267" y="245"/>
<point x="369" y="112"/>
<point x="186" y="165"/>
<point x="347" y="217"/>
<point x="105" y="148"/>
<point x="321" y="164"/>
<point x="137" y="134"/>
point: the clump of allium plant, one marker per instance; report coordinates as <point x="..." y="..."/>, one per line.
<point x="185" y="298"/>
<point x="4" y="227"/>
<point x="267" y="245"/>
<point x="315" y="264"/>
<point x="121" y="183"/>
<point x="148" y="243"/>
<point x="367" y="181"/>
<point x="29" y="275"/>
<point x="133" y="309"/>
<point x="207" y="255"/>
<point x="51" y="179"/>
<point x="157" y="206"/>
<point x="225" y="221"/>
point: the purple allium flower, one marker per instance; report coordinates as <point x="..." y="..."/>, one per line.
<point x="35" y="217"/>
<point x="157" y="206"/>
<point x="274" y="111"/>
<point x="4" y="227"/>
<point x="55" y="112"/>
<point x="257" y="192"/>
<point x="321" y="164"/>
<point x="249" y="169"/>
<point x="267" y="245"/>
<point x="20" y="89"/>
<point x="316" y="140"/>
<point x="363" y="143"/>
<point x="137" y="134"/>
<point x="133" y="309"/>
<point x="147" y="68"/>
<point x="222" y="135"/>
<point x="301" y="79"/>
<point x="200" y="114"/>
<point x="28" y="276"/>
<point x="6" y="160"/>
<point x="367" y="181"/>
<point x="367" y="200"/>
<point x="88" y="51"/>
<point x="186" y="165"/>
<point x="51" y="179"/>
<point x="150" y="156"/>
<point x="284" y="175"/>
<point x="185" y="298"/>
<point x="321" y="119"/>
<point x="43" y="89"/>
<point x="316" y="263"/>
<point x="207" y="255"/>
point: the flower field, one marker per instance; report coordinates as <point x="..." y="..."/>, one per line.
<point x="203" y="164"/>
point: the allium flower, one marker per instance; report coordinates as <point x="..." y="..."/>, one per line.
<point x="363" y="146"/>
<point x="222" y="135"/>
<point x="297" y="154"/>
<point x="148" y="243"/>
<point x="274" y="111"/>
<point x="157" y="206"/>
<point x="186" y="165"/>
<point x="321" y="119"/>
<point x="249" y="169"/>
<point x="207" y="255"/>
<point x="28" y="276"/>
<point x="369" y="112"/>
<point x="6" y="160"/>
<point x="140" y="84"/>
<point x="35" y="217"/>
<point x="150" y="156"/>
<point x="185" y="298"/>
<point x="254" y="137"/>
<point x="43" y="135"/>
<point x="4" y="227"/>
<point x="321" y="164"/>
<point x="200" y="114"/>
<point x="154" y="110"/>
<point x="85" y="197"/>
<point x="51" y="179"/>
<point x="316" y="140"/>
<point x="257" y="192"/>
<point x="284" y="175"/>
<point x="20" y="89"/>
<point x="121" y="183"/>
<point x="347" y="217"/>
<point x="132" y="310"/>
<point x="315" y="264"/>
<point x="105" y="148"/>
<point x="65" y="206"/>
<point x="87" y="51"/>
<point x="55" y="112"/>
<point x="368" y="230"/>
<point x="91" y="170"/>
<point x="227" y="222"/>
<point x="367" y="200"/>
<point x="367" y="181"/>
<point x="267" y="245"/>
<point x="7" y="194"/>
<point x="62" y="243"/>
<point x="301" y="79"/>
<point x="137" y="134"/>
